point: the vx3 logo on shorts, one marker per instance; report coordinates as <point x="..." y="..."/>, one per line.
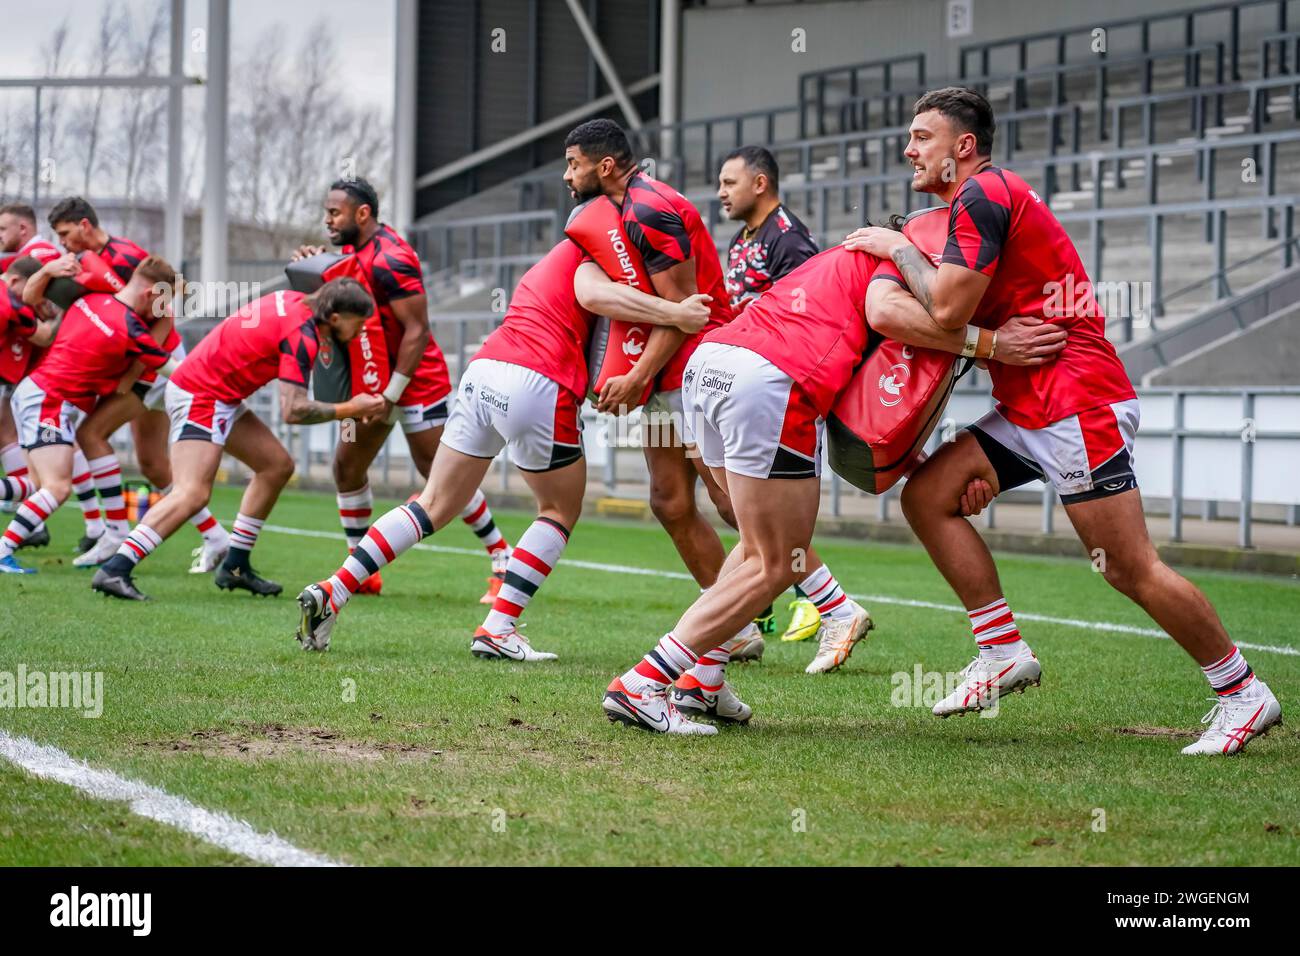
<point x="1073" y="475"/>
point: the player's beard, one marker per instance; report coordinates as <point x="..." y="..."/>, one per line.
<point x="347" y="236"/>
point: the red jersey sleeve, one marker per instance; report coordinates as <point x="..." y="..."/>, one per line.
<point x="979" y="222"/>
<point x="887" y="270"/>
<point x="142" y="345"/>
<point x="298" y="351"/>
<point x="395" y="273"/>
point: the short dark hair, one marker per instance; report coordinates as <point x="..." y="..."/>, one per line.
<point x="969" y="112"/>
<point x="343" y="295"/>
<point x="21" y="210"/>
<point x="759" y="160"/>
<point x="25" y="266"/>
<point x="362" y="193"/>
<point x="599" y="138"/>
<point x="73" y="209"/>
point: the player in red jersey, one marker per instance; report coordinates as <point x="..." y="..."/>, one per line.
<point x="99" y="339"/>
<point x="681" y="258"/>
<point x="757" y="392"/>
<point x="19" y="236"/>
<point x="1071" y="422"/>
<point x="522" y="391"/>
<point x="76" y="223"/>
<point x="418" y="387"/>
<point x="771" y="243"/>
<point x="21" y="331"/>
<point x="276" y="336"/>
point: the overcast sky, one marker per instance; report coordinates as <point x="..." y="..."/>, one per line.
<point x="365" y="33"/>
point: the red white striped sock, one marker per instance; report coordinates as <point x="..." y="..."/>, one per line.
<point x="355" y="511"/>
<point x="1229" y="674"/>
<point x="16" y="485"/>
<point x="139" y="544"/>
<point x="711" y="668"/>
<point x="203" y="521"/>
<point x="395" y="533"/>
<point x="661" y="667"/>
<point x="996" y="634"/>
<point x="107" y="474"/>
<point x="31" y="514"/>
<point x="478" y="516"/>
<point x="83" y="486"/>
<point x="531" y="560"/>
<point x="825" y="592"/>
<point x="244" y="532"/>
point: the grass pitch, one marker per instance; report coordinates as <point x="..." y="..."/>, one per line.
<point x="399" y="747"/>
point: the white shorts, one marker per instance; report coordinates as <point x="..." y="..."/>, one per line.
<point x="748" y="416"/>
<point x="1085" y="456"/>
<point x="501" y="405"/>
<point x="43" y="419"/>
<point x="199" y="417"/>
<point x="419" y="418"/>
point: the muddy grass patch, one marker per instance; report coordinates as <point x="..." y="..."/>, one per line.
<point x="268" y="741"/>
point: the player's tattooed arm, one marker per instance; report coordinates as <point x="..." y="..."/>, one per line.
<point x="297" y="409"/>
<point x="917" y="272"/>
<point x="599" y="294"/>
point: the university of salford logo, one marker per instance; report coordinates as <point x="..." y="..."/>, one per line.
<point x="892" y="384"/>
<point x="634" y="344"/>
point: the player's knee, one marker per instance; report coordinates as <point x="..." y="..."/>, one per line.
<point x="1129" y="575"/>
<point x="60" y="488"/>
<point x="915" y="498"/>
<point x="671" y="506"/>
<point x="280" y="470"/>
<point x="156" y="470"/>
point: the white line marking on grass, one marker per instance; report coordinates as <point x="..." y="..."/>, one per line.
<point x="219" y="829"/>
<point x="869" y="598"/>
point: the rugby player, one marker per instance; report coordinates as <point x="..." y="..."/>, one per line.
<point x="276" y="336"/>
<point x="522" y="391"/>
<point x="681" y="259"/>
<point x="418" y="386"/>
<point x="1071" y="422"/>
<point x="757" y="392"/>
<point x="21" y="331"/>
<point x="99" y="339"/>
<point x="76" y="223"/>
<point x="19" y="238"/>
<point x="772" y="243"/>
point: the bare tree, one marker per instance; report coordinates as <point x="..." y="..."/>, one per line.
<point x="112" y="32"/>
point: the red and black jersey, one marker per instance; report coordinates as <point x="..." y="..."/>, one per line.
<point x="545" y="329"/>
<point x="123" y="255"/>
<point x="36" y="247"/>
<point x="99" y="337"/>
<point x="666" y="229"/>
<point x="812" y="324"/>
<point x="777" y="247"/>
<point x="269" y="338"/>
<point x="998" y="226"/>
<point x="392" y="271"/>
<point x="17" y="323"/>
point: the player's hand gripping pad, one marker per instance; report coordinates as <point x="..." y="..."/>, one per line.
<point x="96" y="275"/>
<point x="615" y="347"/>
<point x="880" y="423"/>
<point x="340" y="373"/>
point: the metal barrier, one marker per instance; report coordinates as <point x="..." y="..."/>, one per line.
<point x="1244" y="420"/>
<point x="1283" y="43"/>
<point x="1143" y="24"/>
<point x="437" y="241"/>
<point x="853" y="74"/>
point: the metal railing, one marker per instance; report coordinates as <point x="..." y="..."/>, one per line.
<point x="879" y="72"/>
<point x="1245" y="435"/>
<point x="1283" y="43"/>
<point x="1190" y="17"/>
